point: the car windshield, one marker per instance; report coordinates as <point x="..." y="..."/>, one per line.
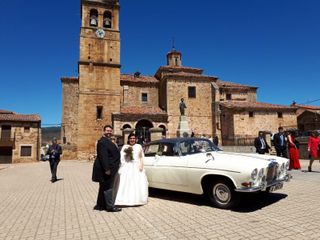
<point x="192" y="146"/>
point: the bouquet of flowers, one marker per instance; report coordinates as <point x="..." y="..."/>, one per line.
<point x="129" y="153"/>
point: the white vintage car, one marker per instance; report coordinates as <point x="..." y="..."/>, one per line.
<point x="196" y="165"/>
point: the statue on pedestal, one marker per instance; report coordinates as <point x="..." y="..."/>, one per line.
<point x="183" y="129"/>
<point x="182" y="106"/>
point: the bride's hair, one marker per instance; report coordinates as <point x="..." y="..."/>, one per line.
<point x="130" y="135"/>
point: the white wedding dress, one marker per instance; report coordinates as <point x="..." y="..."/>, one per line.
<point x="133" y="186"/>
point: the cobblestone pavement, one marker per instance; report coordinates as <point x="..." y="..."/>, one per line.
<point x="31" y="207"/>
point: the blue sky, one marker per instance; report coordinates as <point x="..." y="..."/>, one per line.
<point x="271" y="44"/>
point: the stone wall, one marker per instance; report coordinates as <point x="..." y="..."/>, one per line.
<point x="199" y="109"/>
<point x="70" y="99"/>
<point x="237" y="124"/>
<point x="132" y="95"/>
<point x="237" y="95"/>
<point x="26" y="138"/>
<point x="69" y="152"/>
<point x="262" y="121"/>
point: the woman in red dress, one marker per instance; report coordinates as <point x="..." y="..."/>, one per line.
<point x="313" y="148"/>
<point x="293" y="152"/>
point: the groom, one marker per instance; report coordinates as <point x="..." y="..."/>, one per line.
<point x="105" y="171"/>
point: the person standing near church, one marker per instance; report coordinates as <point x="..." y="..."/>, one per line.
<point x="261" y="145"/>
<point x="105" y="171"/>
<point x="133" y="187"/>
<point x="280" y="143"/>
<point x="293" y="151"/>
<point x="54" y="151"/>
<point x="313" y="148"/>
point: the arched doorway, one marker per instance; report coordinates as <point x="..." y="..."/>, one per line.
<point x="126" y="126"/>
<point x="164" y="130"/>
<point x="142" y="130"/>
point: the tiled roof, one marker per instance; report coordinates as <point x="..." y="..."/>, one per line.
<point x="224" y="84"/>
<point x="187" y="74"/>
<point x="255" y="105"/>
<point x="176" y="69"/>
<point x="306" y="106"/>
<point x="11" y="116"/>
<point x="70" y="79"/>
<point x="5" y="111"/>
<point x="129" y="78"/>
<point x="181" y="68"/>
<point x="142" y="110"/>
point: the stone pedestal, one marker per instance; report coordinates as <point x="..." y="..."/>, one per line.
<point x="183" y="129"/>
<point x="156" y="133"/>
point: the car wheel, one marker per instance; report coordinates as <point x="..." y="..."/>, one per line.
<point x="222" y="195"/>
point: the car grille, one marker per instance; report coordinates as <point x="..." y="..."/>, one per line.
<point x="272" y="172"/>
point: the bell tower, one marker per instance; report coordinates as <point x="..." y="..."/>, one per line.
<point x="99" y="70"/>
<point x="174" y="58"/>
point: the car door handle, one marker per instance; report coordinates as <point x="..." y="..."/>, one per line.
<point x="209" y="155"/>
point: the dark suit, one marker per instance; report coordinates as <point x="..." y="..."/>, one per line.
<point x="108" y="159"/>
<point x="280" y="145"/>
<point x="259" y="147"/>
<point x="54" y="153"/>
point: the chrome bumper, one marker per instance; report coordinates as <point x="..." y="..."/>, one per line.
<point x="264" y="185"/>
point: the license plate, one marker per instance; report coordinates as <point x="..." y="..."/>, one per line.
<point x="276" y="187"/>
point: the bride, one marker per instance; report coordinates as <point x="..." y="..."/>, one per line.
<point x="133" y="186"/>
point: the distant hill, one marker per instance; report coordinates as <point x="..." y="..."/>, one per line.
<point x="50" y="132"/>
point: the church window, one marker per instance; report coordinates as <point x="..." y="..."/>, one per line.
<point x="280" y="115"/>
<point x="126" y="126"/>
<point x="107" y="19"/>
<point x="192" y="92"/>
<point x="99" y="112"/>
<point x="228" y="96"/>
<point x="176" y="61"/>
<point x="164" y="130"/>
<point x="251" y="114"/>
<point x="144" y="97"/>
<point x="93" y="18"/>
<point x="26" y="151"/>
<point x="26" y="129"/>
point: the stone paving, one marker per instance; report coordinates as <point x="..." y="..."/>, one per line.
<point x="31" y="207"/>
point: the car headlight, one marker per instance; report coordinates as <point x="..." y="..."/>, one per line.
<point x="287" y="165"/>
<point x="254" y="174"/>
<point x="261" y="173"/>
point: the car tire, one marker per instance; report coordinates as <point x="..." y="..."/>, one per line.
<point x="222" y="195"/>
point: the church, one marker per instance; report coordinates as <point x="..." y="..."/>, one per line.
<point x="149" y="105"/>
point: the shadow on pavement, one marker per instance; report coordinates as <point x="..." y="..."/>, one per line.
<point x="306" y="171"/>
<point x="256" y="201"/>
<point x="178" y="197"/>
<point x="58" y="179"/>
<point x="248" y="203"/>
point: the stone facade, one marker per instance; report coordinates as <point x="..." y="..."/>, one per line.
<point x="199" y="109"/>
<point x="70" y="101"/>
<point x="26" y="135"/>
<point x="245" y="119"/>
<point x="19" y="137"/>
<point x="149" y="105"/>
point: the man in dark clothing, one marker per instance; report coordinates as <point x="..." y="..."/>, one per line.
<point x="105" y="171"/>
<point x="280" y="143"/>
<point x="261" y="145"/>
<point x="54" y="152"/>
